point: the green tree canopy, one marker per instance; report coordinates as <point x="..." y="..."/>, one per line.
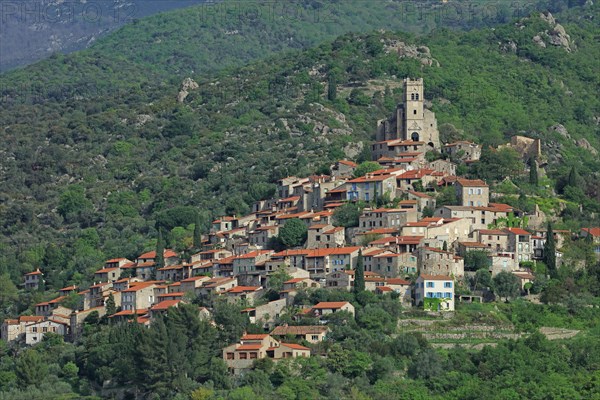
<point x="366" y="167"/>
<point x="293" y="233"/>
<point x="507" y="285"/>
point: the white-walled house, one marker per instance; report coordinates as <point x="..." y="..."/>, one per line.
<point x="435" y="292"/>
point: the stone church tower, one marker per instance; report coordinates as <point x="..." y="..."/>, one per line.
<point x="411" y="121"/>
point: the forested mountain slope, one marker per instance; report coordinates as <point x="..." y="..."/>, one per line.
<point x="32" y="30"/>
<point x="88" y="167"/>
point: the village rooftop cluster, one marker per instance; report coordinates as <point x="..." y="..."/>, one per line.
<point x="417" y="258"/>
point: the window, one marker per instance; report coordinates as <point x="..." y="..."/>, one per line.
<point x="439" y="295"/>
<point x="230" y="356"/>
<point x="243" y="356"/>
<point x="430" y="284"/>
<point x="447" y="295"/>
<point x="429" y="294"/>
<point x="45" y="329"/>
<point x="34" y="330"/>
<point x="315" y="337"/>
<point x="447" y="284"/>
<point x="415" y="112"/>
<point x="253" y="355"/>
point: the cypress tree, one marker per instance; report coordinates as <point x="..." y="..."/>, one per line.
<point x="359" y="274"/>
<point x="111" y="307"/>
<point x="197" y="232"/>
<point x="160" y="250"/>
<point x="533" y="172"/>
<point x="573" y="177"/>
<point x="331" y="88"/>
<point x="550" y="251"/>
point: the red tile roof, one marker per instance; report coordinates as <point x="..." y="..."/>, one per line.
<point x="243" y="289"/>
<point x="517" y="231"/>
<point x="332" y="251"/>
<point x="471" y="182"/>
<point x="163" y="305"/>
<point x="348" y="163"/>
<point x="294" y="346"/>
<point x="364" y="179"/>
<point x="249" y="347"/>
<point x="152" y="254"/>
<point x="334" y="305"/>
<point x="254" y="336"/>
<point x="592" y="231"/>
<point x="36" y="272"/>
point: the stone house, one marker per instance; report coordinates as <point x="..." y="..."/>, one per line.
<point x="367" y="187"/>
<point x="210" y="255"/>
<point x="14" y="329"/>
<point x="33" y="280"/>
<point x="385" y="218"/>
<point x="320" y="262"/>
<point x="261" y="236"/>
<point x="472" y="192"/>
<point x="432" y="261"/>
<point x="495" y="239"/>
<point x="423" y="200"/>
<point x="241" y="356"/>
<point x="190" y="285"/>
<point x="266" y="313"/>
<point x="444" y="166"/>
<point x="138" y="296"/>
<point x="343" y="169"/>
<point x="520" y="243"/>
<point x="35" y="331"/>
<point x="329" y="307"/>
<point x="245" y="294"/>
<point x="463" y="150"/>
<point x="442" y="229"/>
<point x="325" y="236"/>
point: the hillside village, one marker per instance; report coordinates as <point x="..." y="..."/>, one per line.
<point x="376" y="225"/>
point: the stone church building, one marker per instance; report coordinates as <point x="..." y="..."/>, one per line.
<point x="412" y="128"/>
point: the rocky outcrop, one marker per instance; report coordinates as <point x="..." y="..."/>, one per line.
<point x="556" y="35"/>
<point x="584" y="144"/>
<point x="404" y="50"/>
<point x="561" y="130"/>
<point x="187" y="85"/>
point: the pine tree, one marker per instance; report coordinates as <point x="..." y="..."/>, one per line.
<point x="359" y="274"/>
<point x="111" y="307"/>
<point x="197" y="232"/>
<point x="533" y="172"/>
<point x="550" y="251"/>
<point x="331" y="87"/>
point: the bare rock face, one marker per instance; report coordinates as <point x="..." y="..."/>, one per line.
<point x="353" y="149"/>
<point x="546" y="16"/>
<point x="561" y="130"/>
<point x="584" y="144"/>
<point x="187" y="85"/>
<point x="537" y="39"/>
<point x="404" y="50"/>
<point x="556" y="36"/>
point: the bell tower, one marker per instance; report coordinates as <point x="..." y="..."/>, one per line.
<point x="413" y="123"/>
